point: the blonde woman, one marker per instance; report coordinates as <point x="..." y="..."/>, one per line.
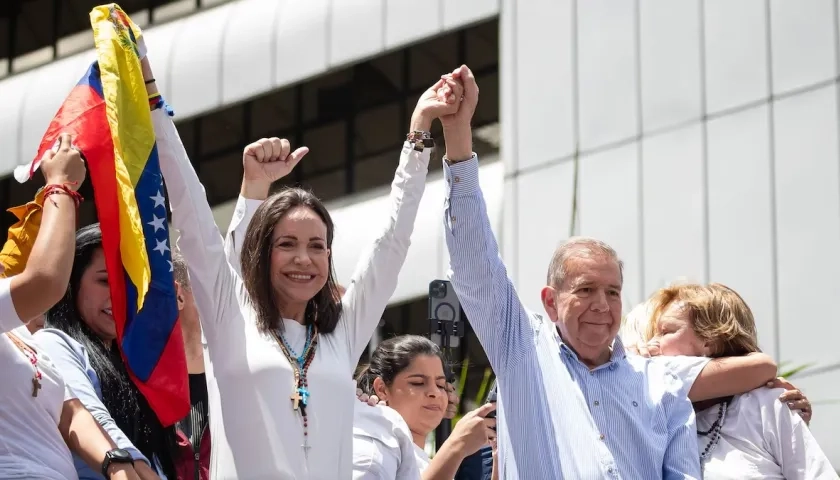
<point x="747" y="436"/>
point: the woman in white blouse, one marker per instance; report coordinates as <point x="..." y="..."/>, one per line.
<point x="39" y="416"/>
<point x="742" y="437"/>
<point x="282" y="349"/>
<point x="406" y="374"/>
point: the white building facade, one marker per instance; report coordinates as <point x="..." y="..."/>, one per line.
<point x="700" y="138"/>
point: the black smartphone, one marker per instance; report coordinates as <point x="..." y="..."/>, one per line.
<point x="491" y="398"/>
<point x="446" y="323"/>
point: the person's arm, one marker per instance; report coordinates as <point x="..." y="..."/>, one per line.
<point x="378" y="268"/>
<point x="727" y="376"/>
<point x="680" y="461"/>
<point x="86" y="438"/>
<point x="43" y="281"/>
<point x="242" y="215"/>
<point x="476" y="270"/>
<point x="263" y="163"/>
<point x="70" y="363"/>
<point x="789" y="440"/>
<point x="215" y="285"/>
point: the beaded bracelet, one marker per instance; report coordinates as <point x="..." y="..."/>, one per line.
<point x="56" y="188"/>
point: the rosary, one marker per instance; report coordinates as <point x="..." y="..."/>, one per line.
<point x="300" y="367"/>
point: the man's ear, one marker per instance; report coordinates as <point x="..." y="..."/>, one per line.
<point x="549" y="300"/>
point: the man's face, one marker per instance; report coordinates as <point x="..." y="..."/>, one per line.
<point x="587" y="306"/>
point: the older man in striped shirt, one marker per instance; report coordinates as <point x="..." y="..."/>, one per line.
<point x="572" y="404"/>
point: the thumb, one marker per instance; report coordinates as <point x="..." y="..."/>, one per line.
<point x="296" y="156"/>
<point x="485" y="409"/>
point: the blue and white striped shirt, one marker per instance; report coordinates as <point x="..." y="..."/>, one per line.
<point x="629" y="418"/>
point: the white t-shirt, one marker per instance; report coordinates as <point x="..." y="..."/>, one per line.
<point x="761" y="438"/>
<point x="383" y="448"/>
<point x="31" y="445"/>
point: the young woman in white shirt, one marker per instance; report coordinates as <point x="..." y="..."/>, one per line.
<point x="39" y="416"/>
<point x="406" y="374"/>
<point x="281" y="348"/>
<point x="742" y="437"/>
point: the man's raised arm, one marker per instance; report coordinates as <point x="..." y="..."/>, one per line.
<point x="477" y="272"/>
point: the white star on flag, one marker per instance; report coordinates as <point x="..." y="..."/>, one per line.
<point x="159" y="199"/>
<point x="171" y="268"/>
<point x="157" y="222"/>
<point x="161" y="247"/>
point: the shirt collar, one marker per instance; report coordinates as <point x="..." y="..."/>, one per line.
<point x="618" y="351"/>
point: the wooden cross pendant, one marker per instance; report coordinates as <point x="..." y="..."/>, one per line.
<point x="36" y="385"/>
<point x="295" y="398"/>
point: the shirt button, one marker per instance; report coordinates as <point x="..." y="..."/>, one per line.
<point x="452" y="218"/>
<point x="610" y="470"/>
<point x="601" y="437"/>
<point x="635" y="404"/>
<point x="457" y="179"/>
<point x="596" y="403"/>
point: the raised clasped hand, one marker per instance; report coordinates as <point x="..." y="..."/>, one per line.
<point x="442" y="99"/>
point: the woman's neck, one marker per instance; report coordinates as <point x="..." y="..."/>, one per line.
<point x="419" y="439"/>
<point x="296" y="312"/>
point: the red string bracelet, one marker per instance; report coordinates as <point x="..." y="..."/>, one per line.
<point x="57" y="188"/>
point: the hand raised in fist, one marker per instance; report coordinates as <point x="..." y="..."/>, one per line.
<point x="266" y="161"/>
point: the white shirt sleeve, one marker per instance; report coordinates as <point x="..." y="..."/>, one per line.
<point x="686" y="369"/>
<point x="9" y="319"/>
<point x="789" y="440"/>
<point x="382" y="445"/>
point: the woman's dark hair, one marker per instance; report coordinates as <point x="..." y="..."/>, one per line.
<point x="126" y="405"/>
<point x="322" y="309"/>
<point x="392" y="357"/>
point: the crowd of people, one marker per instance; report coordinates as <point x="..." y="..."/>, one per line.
<point x="273" y="341"/>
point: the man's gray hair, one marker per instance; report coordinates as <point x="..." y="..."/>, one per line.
<point x="579" y="247"/>
<point x="179" y="269"/>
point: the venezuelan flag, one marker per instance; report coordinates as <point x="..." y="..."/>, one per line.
<point x="108" y="112"/>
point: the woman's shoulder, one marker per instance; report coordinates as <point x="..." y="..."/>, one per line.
<point x="762" y="402"/>
<point x="380" y="423"/>
<point x="52" y="338"/>
<point x="761" y="396"/>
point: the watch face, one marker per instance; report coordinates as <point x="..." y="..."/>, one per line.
<point x="120" y="455"/>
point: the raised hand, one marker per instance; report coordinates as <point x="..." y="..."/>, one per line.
<point x="441" y="99"/>
<point x="64" y="166"/>
<point x="463" y="77"/>
<point x="266" y="161"/>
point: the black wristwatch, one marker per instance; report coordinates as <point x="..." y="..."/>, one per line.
<point x="117" y="455"/>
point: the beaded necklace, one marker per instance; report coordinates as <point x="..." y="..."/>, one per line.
<point x="713" y="433"/>
<point x="300" y="368"/>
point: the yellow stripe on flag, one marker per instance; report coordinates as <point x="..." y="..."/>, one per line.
<point x="127" y="109"/>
